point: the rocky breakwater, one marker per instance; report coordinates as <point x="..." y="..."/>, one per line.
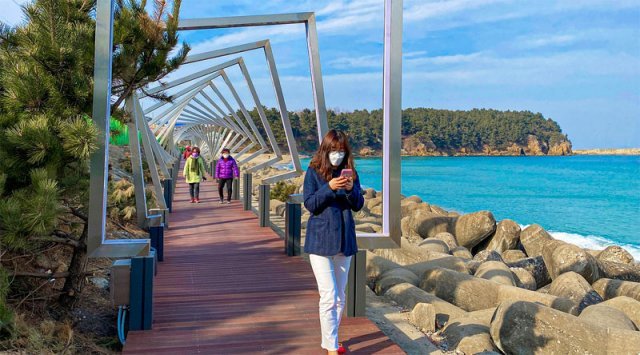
<point x="482" y="285"/>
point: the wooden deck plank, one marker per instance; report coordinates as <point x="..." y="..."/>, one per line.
<point x="226" y="287"/>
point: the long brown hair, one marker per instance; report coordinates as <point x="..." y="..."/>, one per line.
<point x="334" y="140"/>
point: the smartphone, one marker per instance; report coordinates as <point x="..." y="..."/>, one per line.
<point x="346" y="173"/>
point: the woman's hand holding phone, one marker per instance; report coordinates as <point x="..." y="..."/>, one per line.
<point x="337" y="183"/>
<point x="348" y="174"/>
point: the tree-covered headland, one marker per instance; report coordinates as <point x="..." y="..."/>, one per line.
<point x="429" y="131"/>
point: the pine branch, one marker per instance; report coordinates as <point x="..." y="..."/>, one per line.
<point x="41" y="275"/>
<point x="58" y="240"/>
<point x="76" y="212"/>
<point x="158" y="96"/>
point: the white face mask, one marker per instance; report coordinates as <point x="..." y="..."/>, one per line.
<point x="225" y="155"/>
<point x="336" y="157"/>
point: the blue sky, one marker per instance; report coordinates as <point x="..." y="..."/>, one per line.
<point x="576" y="61"/>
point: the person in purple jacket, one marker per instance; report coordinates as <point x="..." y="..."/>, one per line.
<point x="226" y="170"/>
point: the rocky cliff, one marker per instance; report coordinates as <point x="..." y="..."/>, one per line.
<point x="413" y="146"/>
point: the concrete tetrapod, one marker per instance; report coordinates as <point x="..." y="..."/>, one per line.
<point x="376" y="266"/>
<point x="507" y="236"/>
<point x="496" y="271"/>
<point x="628" y="306"/>
<point x="470" y="332"/>
<point x="520" y="327"/>
<point x="605" y="316"/>
<point x="561" y="257"/>
<point x="533" y="239"/>
<point x="472" y="294"/>
<point x="608" y="288"/>
<point x="574" y="287"/>
<point x="408" y="296"/>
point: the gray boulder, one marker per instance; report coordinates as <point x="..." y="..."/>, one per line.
<point x="472" y="266"/>
<point x="461" y="252"/>
<point x="616" y="254"/>
<point x="425" y="224"/>
<point x="496" y="271"/>
<point x="520" y="327"/>
<point x="445" y="262"/>
<point x="434" y="245"/>
<point x="439" y="210"/>
<point x="606" y="316"/>
<point x="561" y="257"/>
<point x="506" y="237"/>
<point x="513" y="255"/>
<point x="619" y="271"/>
<point x="487" y="255"/>
<point x="408" y="296"/>
<point x="408" y="253"/>
<point x="393" y="277"/>
<point x="533" y="239"/>
<point x="373" y="202"/>
<point x="474" y="294"/>
<point x="448" y="238"/>
<point x="412" y="198"/>
<point x="376" y="210"/>
<point x="470" y="333"/>
<point x="536" y="267"/>
<point x="574" y="287"/>
<point x="410" y="207"/>
<point x="628" y="306"/>
<point x="281" y="210"/>
<point x="508" y="293"/>
<point x="376" y="266"/>
<point x="369" y="193"/>
<point x="524" y="279"/>
<point x="423" y="316"/>
<point x="365" y="228"/>
<point x="465" y="291"/>
<point x="273" y="205"/>
<point x="609" y="288"/>
<point x="473" y="228"/>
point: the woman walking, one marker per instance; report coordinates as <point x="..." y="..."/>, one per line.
<point x="226" y="170"/>
<point x="187" y="153"/>
<point x="194" y="173"/>
<point x="331" y="192"/>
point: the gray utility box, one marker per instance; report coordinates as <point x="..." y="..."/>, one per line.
<point x="120" y="286"/>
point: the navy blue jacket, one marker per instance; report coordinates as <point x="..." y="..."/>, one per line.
<point x="331" y="227"/>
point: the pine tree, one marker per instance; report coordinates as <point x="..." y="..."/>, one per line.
<point x="144" y="45"/>
<point x="46" y="134"/>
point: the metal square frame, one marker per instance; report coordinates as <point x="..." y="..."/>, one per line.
<point x="390" y="236"/>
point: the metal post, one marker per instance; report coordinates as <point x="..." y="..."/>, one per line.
<point x="141" y="294"/>
<point x="176" y="172"/>
<point x="235" y="189"/>
<point x="156" y="234"/>
<point x="168" y="196"/>
<point x="247" y="186"/>
<point x="293" y="215"/>
<point x="356" y="296"/>
<point x="213" y="168"/>
<point x="264" y="200"/>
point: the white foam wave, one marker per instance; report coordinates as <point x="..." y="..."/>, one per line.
<point x="593" y="242"/>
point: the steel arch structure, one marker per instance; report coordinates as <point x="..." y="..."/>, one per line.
<point x="195" y="114"/>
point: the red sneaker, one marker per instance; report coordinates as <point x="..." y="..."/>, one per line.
<point x="197" y="200"/>
<point x="193" y="200"/>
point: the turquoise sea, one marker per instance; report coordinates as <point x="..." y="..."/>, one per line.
<point x="591" y="201"/>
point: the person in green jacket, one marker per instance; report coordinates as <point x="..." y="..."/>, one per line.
<point x="194" y="173"/>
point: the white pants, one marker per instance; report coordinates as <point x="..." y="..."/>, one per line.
<point x="331" y="274"/>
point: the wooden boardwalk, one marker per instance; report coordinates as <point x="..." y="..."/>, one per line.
<point x="226" y="287"/>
